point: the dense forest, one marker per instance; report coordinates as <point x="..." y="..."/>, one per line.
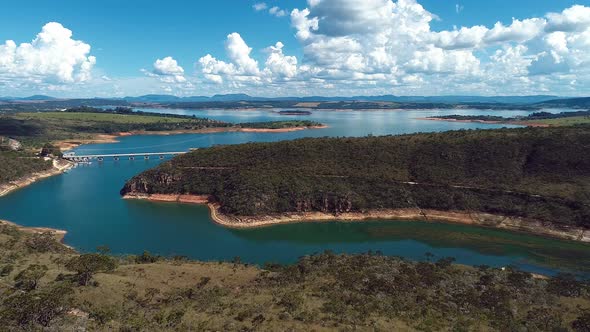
<point x="537" y="173"/>
<point x="45" y="286"/>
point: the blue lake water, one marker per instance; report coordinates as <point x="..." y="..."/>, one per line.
<point x="86" y="203"/>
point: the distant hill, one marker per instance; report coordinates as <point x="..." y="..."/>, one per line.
<point x="234" y="101"/>
<point x="31" y="98"/>
<point x="383" y="98"/>
<point x="568" y="103"/>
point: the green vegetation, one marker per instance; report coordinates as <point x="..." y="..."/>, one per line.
<point x="36" y="129"/>
<point x="538" y="173"/>
<point x="279" y="124"/>
<point x="15" y="165"/>
<point x="50" y="150"/>
<point x="569" y="121"/>
<point x="537" y="118"/>
<point x="294" y="112"/>
<point x="42" y="290"/>
<point x="473" y="117"/>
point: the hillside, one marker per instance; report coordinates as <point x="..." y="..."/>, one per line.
<point x="541" y="174"/>
<point x="45" y="286"/>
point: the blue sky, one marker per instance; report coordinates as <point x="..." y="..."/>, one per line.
<point x="422" y="53"/>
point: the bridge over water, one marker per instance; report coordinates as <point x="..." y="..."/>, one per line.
<point x="117" y="156"/>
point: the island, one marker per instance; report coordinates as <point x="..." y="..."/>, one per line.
<point x="529" y="179"/>
<point x="294" y="112"/>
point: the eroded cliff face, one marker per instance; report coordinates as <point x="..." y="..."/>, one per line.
<point x="152" y="182"/>
<point x="326" y="204"/>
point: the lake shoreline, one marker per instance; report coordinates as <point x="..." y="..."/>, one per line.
<point x="60" y="166"/>
<point x="58" y="234"/>
<point x="518" y="123"/>
<point x="66" y="145"/>
<point x="512" y="224"/>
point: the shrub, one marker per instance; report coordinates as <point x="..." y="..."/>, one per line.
<point x="28" y="278"/>
<point x="88" y="264"/>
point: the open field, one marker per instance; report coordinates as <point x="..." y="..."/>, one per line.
<point x="83" y="117"/>
<point x="571" y="121"/>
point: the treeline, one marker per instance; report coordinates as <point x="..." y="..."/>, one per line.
<point x="539" y="173"/>
<point x="473" y="117"/>
<point x="131" y="111"/>
<point x="547" y="115"/>
<point x="533" y="116"/>
<point x="46" y="286"/>
<point x="279" y="124"/>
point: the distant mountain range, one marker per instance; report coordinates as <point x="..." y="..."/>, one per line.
<point x="31" y="98"/>
<point x="154" y="98"/>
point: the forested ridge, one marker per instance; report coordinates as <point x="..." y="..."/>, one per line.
<point x="531" y="117"/>
<point x="537" y="173"/>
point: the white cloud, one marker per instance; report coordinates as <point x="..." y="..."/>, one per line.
<point x="459" y="8"/>
<point x="351" y="47"/>
<point x="243" y="69"/>
<point x="276" y="11"/>
<point x="168" y="71"/>
<point x="391" y="46"/>
<point x="259" y="6"/>
<point x="575" y="18"/>
<point x="52" y="58"/>
<point x="239" y="52"/>
<point x="280" y="65"/>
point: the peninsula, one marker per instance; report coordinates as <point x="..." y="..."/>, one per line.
<point x="537" y="119"/>
<point x="25" y="134"/>
<point x="530" y="179"/>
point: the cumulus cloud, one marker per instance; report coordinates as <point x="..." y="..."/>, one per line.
<point x="347" y="47"/>
<point x="390" y="46"/>
<point x="168" y="70"/>
<point x="242" y="68"/>
<point x="51" y="58"/>
<point x="280" y="65"/>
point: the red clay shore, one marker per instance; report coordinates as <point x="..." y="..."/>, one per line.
<point x="459" y="217"/>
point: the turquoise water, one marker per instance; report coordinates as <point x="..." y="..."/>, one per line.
<point x="86" y="203"/>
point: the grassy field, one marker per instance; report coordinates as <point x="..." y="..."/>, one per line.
<point x="59" y="117"/>
<point x="578" y="120"/>
<point x="36" y="129"/>
<point x="47" y="286"/>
